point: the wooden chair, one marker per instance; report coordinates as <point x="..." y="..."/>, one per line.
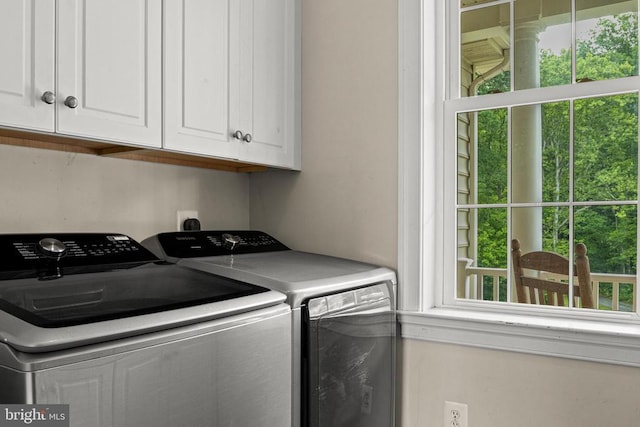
<point x="536" y="289"/>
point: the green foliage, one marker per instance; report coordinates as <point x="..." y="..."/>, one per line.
<point x="611" y="50"/>
<point x="492" y="238"/>
<point x="555" y="69"/>
<point x="492" y="156"/>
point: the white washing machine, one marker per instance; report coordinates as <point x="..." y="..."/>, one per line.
<point x="343" y="320"/>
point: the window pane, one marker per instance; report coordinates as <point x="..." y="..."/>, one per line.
<point x="492" y="238"/>
<point x="540" y="153"/>
<point x="484" y="52"/>
<point x="555" y="230"/>
<point x="541" y="229"/>
<point x="482" y="254"/>
<point x="492" y="156"/>
<point x="482" y="157"/>
<point x="606" y="40"/>
<point x="526" y="154"/>
<point x="609" y="232"/>
<point x="555" y="151"/>
<point x="606" y="148"/>
<point x="464" y="158"/>
<point x="610" y="235"/>
<point x="554" y="46"/>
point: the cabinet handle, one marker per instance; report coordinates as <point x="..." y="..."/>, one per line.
<point x="71" y="102"/>
<point x="48" y="97"/>
<point x="247" y="138"/>
<point x="238" y="135"/>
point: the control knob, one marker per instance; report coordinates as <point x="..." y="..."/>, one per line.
<point x="52" y="248"/>
<point x="230" y="242"/>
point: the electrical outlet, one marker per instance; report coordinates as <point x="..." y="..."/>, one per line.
<point x="182" y="215"/>
<point x="455" y="414"/>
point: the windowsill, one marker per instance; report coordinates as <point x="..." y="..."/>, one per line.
<point x="582" y="339"/>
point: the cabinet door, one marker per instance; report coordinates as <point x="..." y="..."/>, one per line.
<point x="196" y="77"/>
<point x="109" y="61"/>
<point x="26" y="49"/>
<point x="264" y="80"/>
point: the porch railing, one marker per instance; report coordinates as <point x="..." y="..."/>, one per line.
<point x="474" y="279"/>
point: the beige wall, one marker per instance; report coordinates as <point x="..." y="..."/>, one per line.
<point x="504" y="389"/>
<point x="44" y="190"/>
<point x="344" y="202"/>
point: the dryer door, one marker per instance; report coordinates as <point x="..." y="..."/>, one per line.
<point x="349" y="359"/>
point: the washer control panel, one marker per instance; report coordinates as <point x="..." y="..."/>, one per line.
<point x="193" y="244"/>
<point x="26" y="252"/>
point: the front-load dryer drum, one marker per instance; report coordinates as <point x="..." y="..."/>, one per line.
<point x="348" y="355"/>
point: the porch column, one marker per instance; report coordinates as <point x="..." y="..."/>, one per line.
<point x="526" y="134"/>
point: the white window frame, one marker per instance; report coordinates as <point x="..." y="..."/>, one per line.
<point x="426" y="208"/>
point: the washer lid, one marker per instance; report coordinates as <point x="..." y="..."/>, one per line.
<point x="94" y="297"/>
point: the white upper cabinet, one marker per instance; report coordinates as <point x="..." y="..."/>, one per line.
<point x="231" y="76"/>
<point x="109" y="70"/>
<point x="26" y="74"/>
<point x="265" y="57"/>
<point x="219" y="78"/>
<point x="196" y="77"/>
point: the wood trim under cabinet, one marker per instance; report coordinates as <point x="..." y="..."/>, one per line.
<point x="104" y="149"/>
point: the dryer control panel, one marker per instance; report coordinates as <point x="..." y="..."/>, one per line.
<point x="193" y="244"/>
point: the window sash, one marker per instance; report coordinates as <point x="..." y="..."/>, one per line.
<point x="452" y="107"/>
<point x="543" y="95"/>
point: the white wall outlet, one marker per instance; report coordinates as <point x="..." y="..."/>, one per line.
<point x="455" y="414"/>
<point x="182" y="215"/>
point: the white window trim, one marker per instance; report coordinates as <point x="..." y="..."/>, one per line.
<point x="421" y="262"/>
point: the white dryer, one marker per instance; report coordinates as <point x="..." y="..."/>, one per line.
<point x="343" y="320"/>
